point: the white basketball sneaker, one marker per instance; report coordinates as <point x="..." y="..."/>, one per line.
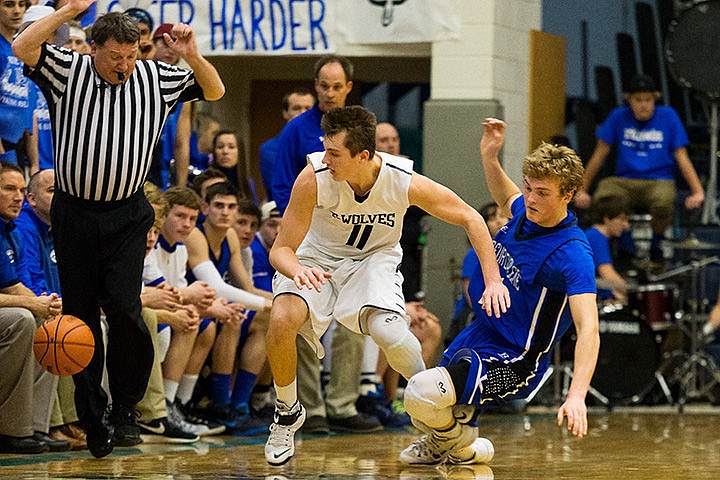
<point x="480" y="451"/>
<point x="434" y="448"/>
<point x="280" y="446"/>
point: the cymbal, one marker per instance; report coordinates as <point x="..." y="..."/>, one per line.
<point x="693" y="243"/>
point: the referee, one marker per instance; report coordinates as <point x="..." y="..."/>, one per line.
<point x="107" y="110"/>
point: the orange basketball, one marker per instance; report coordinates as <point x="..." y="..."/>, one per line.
<point x="64" y="346"/>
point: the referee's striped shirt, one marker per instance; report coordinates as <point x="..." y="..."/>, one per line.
<point x="104" y="134"/>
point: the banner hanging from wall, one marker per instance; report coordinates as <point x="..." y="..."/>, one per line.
<point x="300" y="27"/>
<point x="398" y="21"/>
<point x="244" y="27"/>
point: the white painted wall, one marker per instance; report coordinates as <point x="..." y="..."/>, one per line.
<point x="490" y="61"/>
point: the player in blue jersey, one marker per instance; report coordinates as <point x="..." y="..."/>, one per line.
<point x="548" y="268"/>
<point x="337" y="257"/>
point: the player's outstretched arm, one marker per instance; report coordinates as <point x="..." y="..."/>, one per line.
<point x="294" y="227"/>
<point x="585" y="317"/>
<point x="502" y="189"/>
<point x="444" y="204"/>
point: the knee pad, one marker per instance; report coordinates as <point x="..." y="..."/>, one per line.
<point x="429" y="396"/>
<point x="402" y="349"/>
<point x="386" y="328"/>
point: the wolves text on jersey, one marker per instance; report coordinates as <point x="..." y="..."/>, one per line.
<point x="507" y="263"/>
<point x="387" y="219"/>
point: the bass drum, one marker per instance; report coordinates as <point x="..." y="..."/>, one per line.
<point x="628" y="359"/>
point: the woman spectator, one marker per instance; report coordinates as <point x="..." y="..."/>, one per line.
<point x="229" y="158"/>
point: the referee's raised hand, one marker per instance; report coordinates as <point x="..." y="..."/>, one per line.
<point x="182" y="41"/>
<point x="80" y="5"/>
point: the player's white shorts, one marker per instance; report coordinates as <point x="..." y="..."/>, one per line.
<point x="356" y="287"/>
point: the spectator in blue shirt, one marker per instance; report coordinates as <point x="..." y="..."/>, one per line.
<point x="37" y="267"/>
<point x="263" y="271"/>
<point x="15" y="108"/>
<point x="303" y="135"/>
<point x="610" y="220"/>
<point x="649" y="140"/>
<point x="25" y="383"/>
<point x="295" y="102"/>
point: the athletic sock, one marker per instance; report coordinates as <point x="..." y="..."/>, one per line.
<point x="244" y="382"/>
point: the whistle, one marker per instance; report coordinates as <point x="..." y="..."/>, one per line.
<point x="121" y="76"/>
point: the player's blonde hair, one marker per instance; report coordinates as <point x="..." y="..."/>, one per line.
<point x="158" y="201"/>
<point x="555" y="161"/>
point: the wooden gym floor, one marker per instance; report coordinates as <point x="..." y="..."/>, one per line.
<point x="627" y="443"/>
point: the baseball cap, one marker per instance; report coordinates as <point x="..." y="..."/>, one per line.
<point x="418" y="296"/>
<point x="141" y="16"/>
<point x="164" y="28"/>
<point x="269" y="210"/>
<point x="641" y="83"/>
<point x="36" y="12"/>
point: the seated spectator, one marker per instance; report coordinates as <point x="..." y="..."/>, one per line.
<point x="27" y="391"/>
<point x="610" y="220"/>
<point x="37" y="269"/>
<point x="214" y="255"/>
<point x="162" y="303"/>
<point x="229" y="158"/>
<point x="262" y="270"/>
<point x="37" y="266"/>
<point x="188" y="339"/>
<point x="256" y="229"/>
<point x="246" y="226"/>
<point x="650" y="141"/>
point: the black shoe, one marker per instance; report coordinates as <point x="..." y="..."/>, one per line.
<point x="197" y="418"/>
<point x="10" y="444"/>
<point x="163" y="430"/>
<point x="360" y="423"/>
<point x="266" y="413"/>
<point x="99" y="441"/>
<point x="316" y="424"/>
<point x="52" y="443"/>
<point x="127" y="431"/>
<point x="222" y="414"/>
<point x="247" y="424"/>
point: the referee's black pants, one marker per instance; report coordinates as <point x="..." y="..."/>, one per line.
<point x="100" y="248"/>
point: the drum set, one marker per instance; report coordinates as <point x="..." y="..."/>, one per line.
<point x="651" y="346"/>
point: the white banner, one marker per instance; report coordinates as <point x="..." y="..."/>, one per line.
<point x="243" y="27"/>
<point x="398" y="21"/>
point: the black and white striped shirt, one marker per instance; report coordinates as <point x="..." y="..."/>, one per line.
<point x="104" y="134"/>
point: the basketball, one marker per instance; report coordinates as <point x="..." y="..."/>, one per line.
<point x="64" y="346"/>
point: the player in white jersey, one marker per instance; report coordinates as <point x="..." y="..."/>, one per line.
<point x="337" y="257"/>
